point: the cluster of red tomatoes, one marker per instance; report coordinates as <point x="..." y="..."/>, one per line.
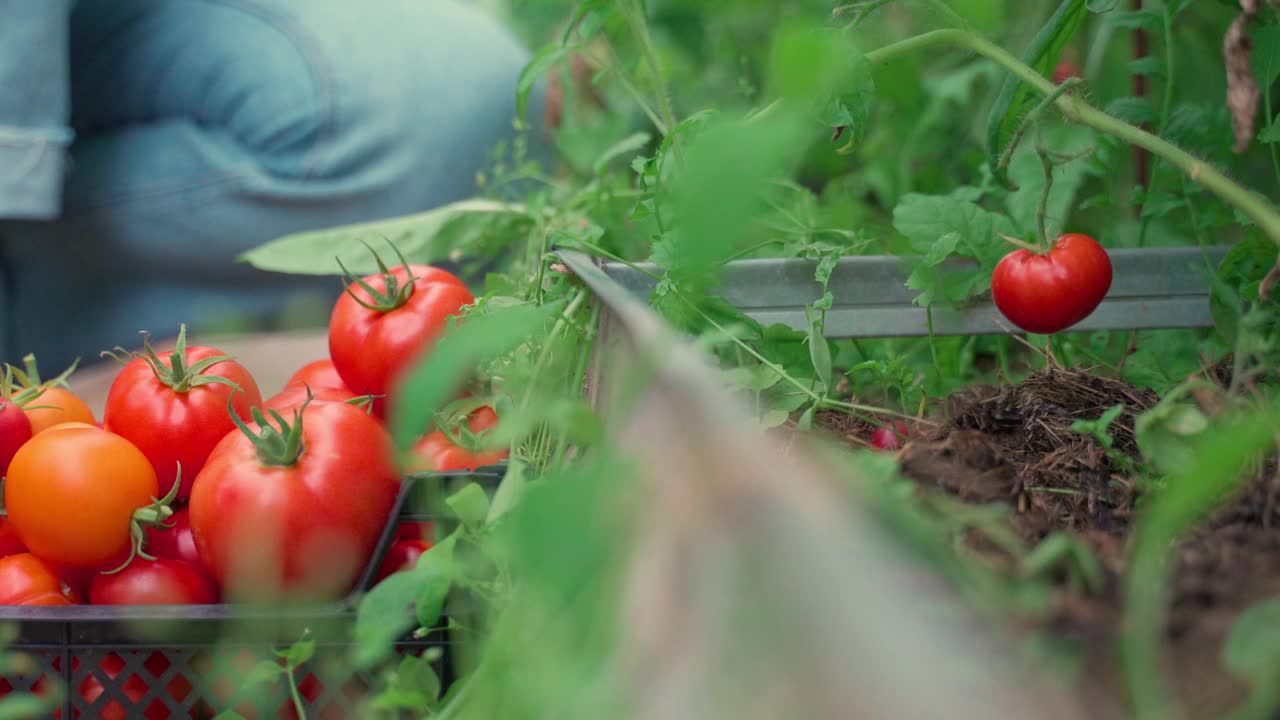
<point x="194" y="489"/>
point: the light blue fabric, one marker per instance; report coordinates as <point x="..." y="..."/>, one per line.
<point x="205" y="127"/>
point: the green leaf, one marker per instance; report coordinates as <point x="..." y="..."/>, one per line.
<point x="435" y="573"/>
<point x="314" y="252"/>
<point x="1016" y="98"/>
<point x="299" y="653"/>
<point x="510" y="490"/>
<point x="383" y="616"/>
<point x="1166" y="433"/>
<point x="1135" y="110"/>
<point x="927" y="219"/>
<point x="819" y="349"/>
<point x="1136" y="19"/>
<point x="24" y="706"/>
<point x="417" y="673"/>
<point x="1252" y="646"/>
<point x="264" y="672"/>
<point x="471" y="505"/>
<point x="538" y="65"/>
<point x="1270" y="133"/>
<point x="224" y="715"/>
<point x="431" y="381"/>
<point x="633" y="143"/>
<point x="1028" y="174"/>
<point x="1266" y="54"/>
<point x="1149" y="66"/>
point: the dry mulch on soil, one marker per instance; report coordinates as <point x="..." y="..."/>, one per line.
<point x="1014" y="444"/>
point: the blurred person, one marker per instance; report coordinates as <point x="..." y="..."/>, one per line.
<point x="144" y="144"/>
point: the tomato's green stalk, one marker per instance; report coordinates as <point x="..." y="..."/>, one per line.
<point x="153" y="515"/>
<point x="1032" y="119"/>
<point x="393" y="295"/>
<point x="1042" y="205"/>
<point x="1256" y="207"/>
<point x="633" y="12"/>
<point x="275" y="447"/>
<point x="177" y="375"/>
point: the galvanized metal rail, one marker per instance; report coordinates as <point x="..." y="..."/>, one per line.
<point x="1152" y="288"/>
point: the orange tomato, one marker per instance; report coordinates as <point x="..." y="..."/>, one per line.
<point x="27" y="580"/>
<point x="74" y="494"/>
<point x="54" y="406"/>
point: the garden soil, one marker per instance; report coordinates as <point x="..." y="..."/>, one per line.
<point x="1014" y="444"/>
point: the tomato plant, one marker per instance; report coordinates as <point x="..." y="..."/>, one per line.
<point x="27" y="580"/>
<point x="79" y="496"/>
<point x="293" y="508"/>
<point x="1050" y="292"/>
<point x="174" y="408"/>
<point x="162" y="581"/>
<point x="385" y="320"/>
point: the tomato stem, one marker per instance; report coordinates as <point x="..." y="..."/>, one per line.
<point x="1021" y="243"/>
<point x="392" y="295"/>
<point x="275" y="447"/>
<point x="153" y="515"/>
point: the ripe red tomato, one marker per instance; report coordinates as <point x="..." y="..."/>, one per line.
<point x="318" y="374"/>
<point x="174" y="408"/>
<point x="374" y="336"/>
<point x="15" y="429"/>
<point x="402" y="555"/>
<point x="74" y="493"/>
<point x="27" y="580"/>
<point x="1064" y="69"/>
<point x="174" y="541"/>
<point x="293" y="396"/>
<point x="1051" y="292"/>
<point x="10" y="543"/>
<point x="296" y="519"/>
<point x="437" y="451"/>
<point x="888" y="438"/>
<point x="162" y="581"/>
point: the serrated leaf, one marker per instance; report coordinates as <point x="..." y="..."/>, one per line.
<point x="317" y="252"/>
<point x="298" y="653"/>
<point x="470" y="504"/>
<point x="926" y="219"/>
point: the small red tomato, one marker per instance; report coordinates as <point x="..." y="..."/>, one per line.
<point x="402" y="555"/>
<point x="15" y="429"/>
<point x="318" y="374"/>
<point x="1065" y="69"/>
<point x="175" y="541"/>
<point x="384" y="322"/>
<point x="294" y="511"/>
<point x="889" y="438"/>
<point x="1048" y="293"/>
<point x="174" y="408"/>
<point x="438" y="452"/>
<point x="27" y="580"/>
<point x="162" y="581"/>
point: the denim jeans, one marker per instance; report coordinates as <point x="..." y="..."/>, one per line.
<point x="144" y="144"/>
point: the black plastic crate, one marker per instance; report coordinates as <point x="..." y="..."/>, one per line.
<point x="157" y="662"/>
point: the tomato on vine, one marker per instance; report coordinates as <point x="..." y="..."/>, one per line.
<point x="385" y="321"/>
<point x="291" y="509"/>
<point x="174" y="408"/>
<point x="1047" y="293"/>
<point x="79" y="497"/>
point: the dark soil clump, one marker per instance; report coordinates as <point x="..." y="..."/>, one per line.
<point x="1015" y="445"/>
